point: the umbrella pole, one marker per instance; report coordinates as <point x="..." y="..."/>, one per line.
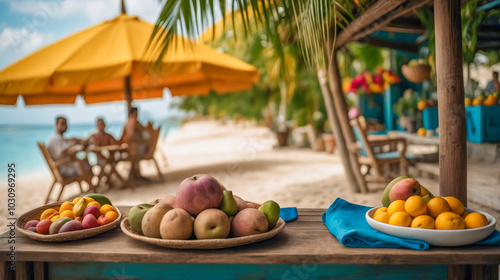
<point x="128" y="93"/>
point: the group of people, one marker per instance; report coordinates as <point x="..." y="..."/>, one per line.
<point x="134" y="140"/>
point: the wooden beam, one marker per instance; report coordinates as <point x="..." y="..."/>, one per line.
<point x="337" y="130"/>
<point x="404" y="28"/>
<point x="127" y="88"/>
<point x="376" y="17"/>
<point x="450" y="88"/>
<point x="376" y="42"/>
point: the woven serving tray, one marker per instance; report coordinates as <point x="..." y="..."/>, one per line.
<point x="65" y="236"/>
<point x="204" y="243"/>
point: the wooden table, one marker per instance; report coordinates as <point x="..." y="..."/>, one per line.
<point x="303" y="250"/>
<point x="107" y="161"/>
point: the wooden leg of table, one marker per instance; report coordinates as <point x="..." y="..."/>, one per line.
<point x="485" y="272"/>
<point x="459" y="272"/>
<point x="40" y="270"/>
<point x="22" y="271"/>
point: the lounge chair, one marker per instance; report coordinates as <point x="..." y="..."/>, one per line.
<point x="58" y="178"/>
<point x="379" y="152"/>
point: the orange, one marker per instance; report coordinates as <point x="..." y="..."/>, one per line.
<point x="421" y="131"/>
<point x="423" y="221"/>
<point x="475" y="220"/>
<point x="382" y="217"/>
<point x="415" y="206"/>
<point x="400" y="219"/>
<point x="380" y="210"/>
<point x="467" y="101"/>
<point x="436" y="206"/>
<point x="465" y="214"/>
<point x="112" y="215"/>
<point x="456" y="205"/>
<point x="66" y="206"/>
<point x="53" y="219"/>
<point x="68" y="213"/>
<point x="48" y="214"/>
<point x="106" y="208"/>
<point x="449" y="220"/>
<point x="396" y="206"/>
<point x="94" y="203"/>
<point x="422" y="104"/>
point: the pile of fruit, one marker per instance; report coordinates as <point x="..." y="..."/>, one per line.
<point x="491" y="100"/>
<point x="406" y="203"/>
<point x="203" y="209"/>
<point x="90" y="211"/>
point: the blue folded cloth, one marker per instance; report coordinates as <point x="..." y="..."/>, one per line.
<point x="288" y="214"/>
<point x="347" y="222"/>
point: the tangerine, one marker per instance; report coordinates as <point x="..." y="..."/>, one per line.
<point x="449" y="220"/>
<point x="94" y="203"/>
<point x="400" y="219"/>
<point x="456" y="205"/>
<point x="112" y="215"/>
<point x="475" y="220"/>
<point x="68" y="213"/>
<point x="380" y="210"/>
<point x="66" y="206"/>
<point x="382" y="217"/>
<point x="423" y="221"/>
<point x="436" y="206"/>
<point x="415" y="206"/>
<point x="106" y="208"/>
<point x="396" y="206"/>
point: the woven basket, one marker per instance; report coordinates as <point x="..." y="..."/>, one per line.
<point x="64" y="236"/>
<point x="416" y="73"/>
<point x="202" y="243"/>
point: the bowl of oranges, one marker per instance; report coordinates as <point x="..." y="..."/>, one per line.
<point x="440" y="221"/>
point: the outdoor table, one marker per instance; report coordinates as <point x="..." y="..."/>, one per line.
<point x="305" y="249"/>
<point x="110" y="160"/>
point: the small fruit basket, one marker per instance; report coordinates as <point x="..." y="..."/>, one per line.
<point x="202" y="215"/>
<point x="416" y="73"/>
<point x="57" y="222"/>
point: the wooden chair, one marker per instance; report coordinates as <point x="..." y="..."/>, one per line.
<point x="149" y="155"/>
<point x="58" y="178"/>
<point x="378" y="152"/>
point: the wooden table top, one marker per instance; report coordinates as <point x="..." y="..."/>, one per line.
<point x="305" y="240"/>
<point x="413" y="138"/>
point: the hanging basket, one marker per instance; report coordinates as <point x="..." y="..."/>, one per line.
<point x="416" y="73"/>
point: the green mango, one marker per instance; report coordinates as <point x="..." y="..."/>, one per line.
<point x="229" y="205"/>
<point x="385" y="196"/>
<point x="99" y="198"/>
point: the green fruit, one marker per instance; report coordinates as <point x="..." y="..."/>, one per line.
<point x="136" y="214"/>
<point x="229" y="205"/>
<point x="99" y="198"/>
<point x="497" y="95"/>
<point x="80" y="207"/>
<point x="271" y="210"/>
<point x="428" y="197"/>
<point x="385" y="196"/>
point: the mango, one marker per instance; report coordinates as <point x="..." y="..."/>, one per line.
<point x="31" y="223"/>
<point x="80" y="207"/>
<point x="385" y="196"/>
<point x="56" y="226"/>
<point x="43" y="226"/>
<point x="71" y="226"/>
<point x="89" y="221"/>
<point x="99" y="198"/>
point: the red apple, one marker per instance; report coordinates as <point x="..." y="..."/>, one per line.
<point x="198" y="193"/>
<point x="403" y="189"/>
<point x="102" y="220"/>
<point x="249" y="221"/>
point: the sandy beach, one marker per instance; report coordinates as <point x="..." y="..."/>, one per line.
<point x="243" y="156"/>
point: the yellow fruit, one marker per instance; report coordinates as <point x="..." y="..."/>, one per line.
<point x="436" y="206"/>
<point x="112" y="215"/>
<point x="87" y="200"/>
<point x="424" y="191"/>
<point x="421" y="131"/>
<point x="415" y="206"/>
<point x="380" y="210"/>
<point x="475" y="220"/>
<point x="456" y="205"/>
<point x="94" y="203"/>
<point x="53" y="219"/>
<point x="490" y="101"/>
<point x="68" y="213"/>
<point x="465" y="214"/>
<point x="449" y="220"/>
<point x="106" y="208"/>
<point x="422" y="104"/>
<point x="423" y="221"/>
<point x="48" y="214"/>
<point x="468" y="101"/>
<point x="396" y="206"/>
<point x="477" y="101"/>
<point x="382" y="217"/>
<point x="400" y="219"/>
<point x="76" y="200"/>
<point x="66" y="206"/>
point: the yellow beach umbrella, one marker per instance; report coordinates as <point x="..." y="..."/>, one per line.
<point x="105" y="61"/>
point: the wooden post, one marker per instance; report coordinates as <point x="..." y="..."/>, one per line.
<point x="450" y="88"/>
<point x="337" y="130"/>
<point x="342" y="115"/>
<point x="127" y="88"/>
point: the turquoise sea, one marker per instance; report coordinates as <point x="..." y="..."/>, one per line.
<point x="18" y="142"/>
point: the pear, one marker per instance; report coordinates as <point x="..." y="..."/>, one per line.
<point x="80" y="207"/>
<point x="271" y="210"/>
<point x="228" y="204"/>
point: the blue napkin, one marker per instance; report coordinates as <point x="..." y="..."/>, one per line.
<point x="288" y="214"/>
<point x="492" y="239"/>
<point x="348" y="223"/>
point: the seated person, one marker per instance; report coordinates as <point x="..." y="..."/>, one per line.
<point x="102" y="138"/>
<point x="136" y="136"/>
<point x="61" y="148"/>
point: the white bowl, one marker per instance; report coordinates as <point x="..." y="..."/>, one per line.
<point x="436" y="237"/>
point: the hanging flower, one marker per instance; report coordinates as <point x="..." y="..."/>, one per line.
<point x="368" y="83"/>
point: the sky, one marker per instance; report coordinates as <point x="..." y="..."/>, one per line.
<point x="28" y="25"/>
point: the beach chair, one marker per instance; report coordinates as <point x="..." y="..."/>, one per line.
<point x="58" y="178"/>
<point x="149" y="154"/>
<point x="383" y="154"/>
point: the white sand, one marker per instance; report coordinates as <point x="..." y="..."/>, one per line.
<point x="241" y="155"/>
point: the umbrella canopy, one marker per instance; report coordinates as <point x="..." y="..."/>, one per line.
<point x="104" y="61"/>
